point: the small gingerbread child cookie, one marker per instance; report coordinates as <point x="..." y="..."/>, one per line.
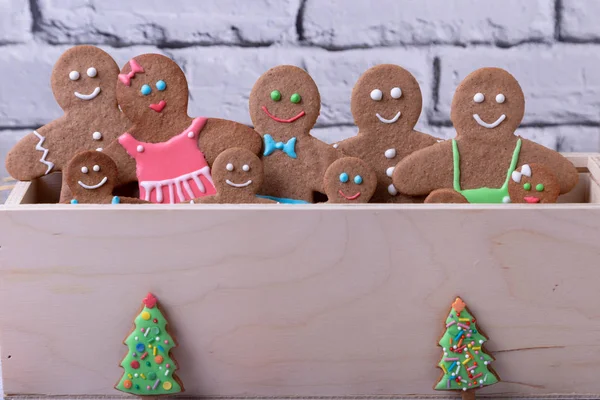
<point x="386" y="105"/>
<point x="532" y="184"/>
<point x="350" y="180"/>
<point x="284" y="106"/>
<point x="487" y="108"/>
<point x="83" y="83"/>
<point x="91" y="176"/>
<point x="238" y="176"/>
<point x="165" y="150"/>
<point x="445" y="196"/>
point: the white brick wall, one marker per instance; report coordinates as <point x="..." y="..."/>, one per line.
<point x="551" y="46"/>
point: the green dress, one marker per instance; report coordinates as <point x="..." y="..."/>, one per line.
<point x="484" y="194"/>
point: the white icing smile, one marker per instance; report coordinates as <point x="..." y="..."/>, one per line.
<point x="238" y="185"/>
<point x="90" y="96"/>
<point x="96" y="186"/>
<point x="389" y="121"/>
<point x="485" y="124"/>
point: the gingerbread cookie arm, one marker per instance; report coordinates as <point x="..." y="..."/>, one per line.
<point x="425" y="170"/>
<point x="327" y="155"/>
<point x="219" y="135"/>
<point x="125" y="163"/>
<point x="564" y="170"/>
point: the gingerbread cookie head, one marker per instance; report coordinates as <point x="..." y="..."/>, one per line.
<point x="285" y="100"/>
<point x="237" y="173"/>
<point x="91" y="176"/>
<point x="84" y="78"/>
<point x="386" y="97"/>
<point x="489" y="103"/>
<point x="152" y="88"/>
<point x="533" y="183"/>
<point x="350" y="180"/>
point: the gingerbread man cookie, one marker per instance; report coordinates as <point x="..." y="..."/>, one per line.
<point x="532" y="184"/>
<point x="284" y="106"/>
<point x="350" y="180"/>
<point x="487" y="108"/>
<point x="83" y="84"/>
<point x="91" y="177"/>
<point x="238" y="175"/>
<point x="165" y="150"/>
<point x="386" y="105"/>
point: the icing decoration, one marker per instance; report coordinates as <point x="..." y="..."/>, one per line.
<point x="135" y="69"/>
<point x="396" y="93"/>
<point x="295" y="98"/>
<point x="500" y="98"/>
<point x="390" y="171"/>
<point x="40" y="147"/>
<point x="275" y="95"/>
<point x="92" y="72"/>
<point x="343" y="177"/>
<point x="229" y="167"/>
<point x="389" y="121"/>
<point x="171" y="171"/>
<point x="287" y="121"/>
<point x="392" y="189"/>
<point x="143" y="371"/>
<point x="358" y="179"/>
<point x="74" y="201"/>
<point x="115" y="200"/>
<point x="96" y="168"/>
<point x="506" y="199"/>
<point x="465" y="362"/>
<point x="288" y="148"/>
<point x="73" y="75"/>
<point x="146" y="90"/>
<point x="353" y="197"/>
<point x="479" y="98"/>
<point x="527" y="186"/>
<point x="487" y="125"/>
<point x="90" y="96"/>
<point x="376" y="94"/>
<point x="161" y="85"/>
<point x="516" y="176"/>
<point x="84" y="170"/>
<point x="238" y="185"/>
<point x="159" y="106"/>
<point x="246" y="167"/>
<point x="539" y="187"/>
<point x="92" y="187"/>
<point x="526" y="170"/>
<point x="96" y="135"/>
<point x="531" y="199"/>
<point x="282" y="200"/>
<point x="390" y="153"/>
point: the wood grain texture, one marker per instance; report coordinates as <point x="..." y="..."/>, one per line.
<point x="321" y="300"/>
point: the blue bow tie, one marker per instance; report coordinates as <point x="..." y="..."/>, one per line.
<point x="288" y="148"/>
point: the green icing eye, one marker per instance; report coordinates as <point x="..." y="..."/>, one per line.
<point x="275" y="95"/>
<point x="527" y="186"/>
<point x="295" y="98"/>
<point x="539" y="187"/>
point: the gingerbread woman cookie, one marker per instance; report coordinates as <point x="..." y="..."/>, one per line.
<point x="532" y="184"/>
<point x="165" y="150"/>
<point x="284" y="106"/>
<point x="83" y="84"/>
<point x="350" y="180"/>
<point x="487" y="108"/>
<point x="238" y="175"/>
<point x="386" y="105"/>
<point x="91" y="177"/>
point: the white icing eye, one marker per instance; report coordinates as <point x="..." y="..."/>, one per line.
<point x="91" y="72"/>
<point x="246" y="167"/>
<point x="96" y="168"/>
<point x="396" y="93"/>
<point x="84" y="170"/>
<point x="73" y="75"/>
<point x="96" y="136"/>
<point x="500" y="98"/>
<point x="376" y="94"/>
<point x="229" y="167"/>
<point x="478" y="98"/>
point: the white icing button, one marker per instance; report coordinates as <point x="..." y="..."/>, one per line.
<point x="96" y="168"/>
<point x="506" y="199"/>
<point x="91" y="72"/>
<point x="229" y="167"/>
<point x="73" y="75"/>
<point x="390" y="153"/>
<point x="376" y="94"/>
<point x="478" y="98"/>
<point x="190" y="134"/>
<point x="396" y="93"/>
<point x="84" y="170"/>
<point x="392" y="190"/>
<point x="390" y="171"/>
<point x="246" y="167"/>
<point x="500" y="98"/>
<point x="140" y="148"/>
<point x="99" y="149"/>
<point x="96" y="136"/>
<point x="335" y="146"/>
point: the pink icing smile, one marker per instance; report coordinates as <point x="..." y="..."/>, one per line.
<point x="531" y="199"/>
<point x="287" y="121"/>
<point x="354" y="197"/>
<point x="158" y="107"/>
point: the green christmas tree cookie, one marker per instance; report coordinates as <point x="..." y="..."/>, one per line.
<point x="465" y="363"/>
<point x="149" y="367"/>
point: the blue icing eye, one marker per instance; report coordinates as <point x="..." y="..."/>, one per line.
<point x="343" y="177"/>
<point x="146" y="90"/>
<point x="161" y="85"/>
<point x="358" y="179"/>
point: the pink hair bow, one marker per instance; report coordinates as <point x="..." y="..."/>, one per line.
<point x="135" y="68"/>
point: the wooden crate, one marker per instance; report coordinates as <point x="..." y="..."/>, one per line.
<point x="315" y="300"/>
